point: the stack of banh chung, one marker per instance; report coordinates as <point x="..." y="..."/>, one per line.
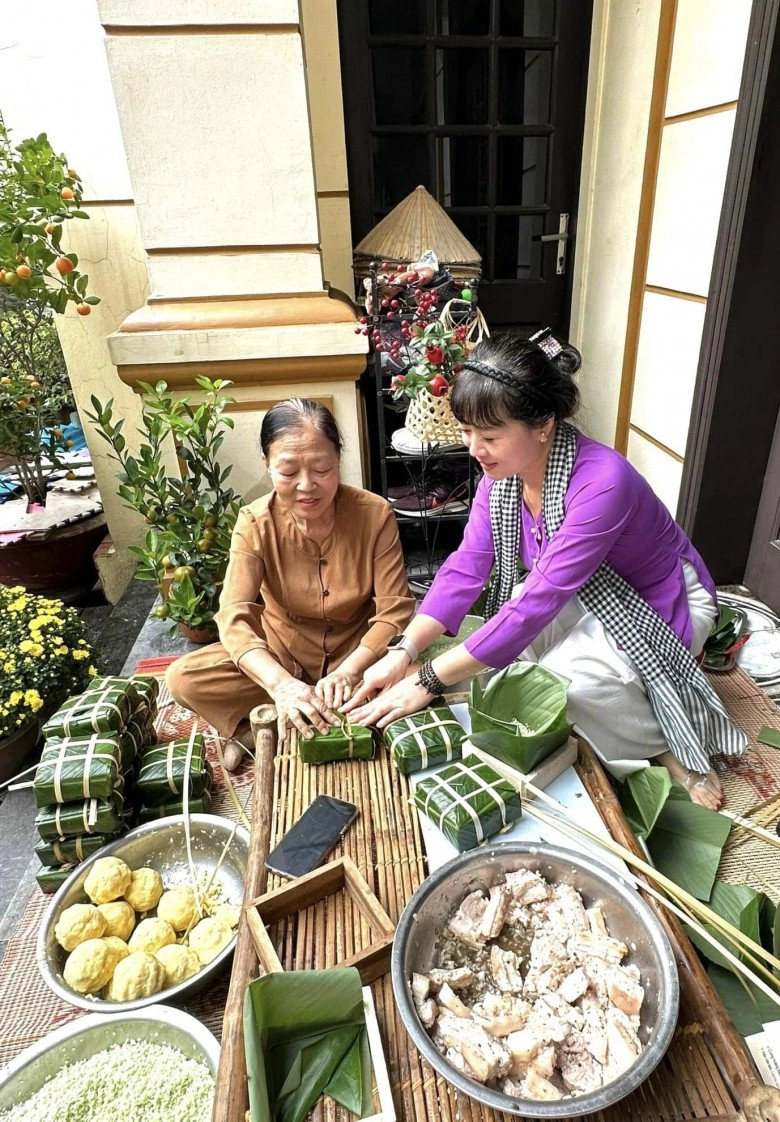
<point x="84" y="781"/>
<point x="164" y="771"/>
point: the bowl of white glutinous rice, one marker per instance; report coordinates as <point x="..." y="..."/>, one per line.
<point x="154" y="1065"/>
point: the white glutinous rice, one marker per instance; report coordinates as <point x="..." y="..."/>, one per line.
<point x="136" y="1079"/>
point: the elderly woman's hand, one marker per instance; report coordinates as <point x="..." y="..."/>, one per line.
<point x="383" y="674"/>
<point x="336" y="688"/>
<point x="300" y="705"/>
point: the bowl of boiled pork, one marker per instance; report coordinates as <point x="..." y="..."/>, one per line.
<point x="535" y="980"/>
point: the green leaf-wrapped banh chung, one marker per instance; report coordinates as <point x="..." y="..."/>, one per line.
<point x="305" y="1035"/>
<point x="520" y="716"/>
<point x="105" y="710"/>
<point x="469" y="801"/>
<point x="341" y="742"/>
<point x="88" y="816"/>
<point x="432" y="736"/>
<point x="164" y="768"/>
<point x="76" y="768"/>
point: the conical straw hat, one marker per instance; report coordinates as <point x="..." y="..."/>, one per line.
<point x="416" y="224"/>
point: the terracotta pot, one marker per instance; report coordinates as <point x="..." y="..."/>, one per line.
<point x="199" y="634"/>
<point x="58" y="562"/>
<point x="16" y="748"/>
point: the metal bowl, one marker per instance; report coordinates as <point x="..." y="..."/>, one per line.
<point x="628" y="918"/>
<point x="85" y="1036"/>
<point x="160" y="845"/>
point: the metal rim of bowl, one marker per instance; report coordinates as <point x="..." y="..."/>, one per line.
<point x="591" y="1101"/>
<point x="97" y="1005"/>
<point x="163" y="1015"/>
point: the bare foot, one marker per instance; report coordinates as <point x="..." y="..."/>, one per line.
<point x="704" y="789"/>
<point x="238" y="746"/>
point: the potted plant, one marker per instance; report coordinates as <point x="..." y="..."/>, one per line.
<point x="190" y="514"/>
<point x="44" y="657"/>
<point x="39" y="194"/>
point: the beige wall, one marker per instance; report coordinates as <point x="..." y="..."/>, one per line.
<point x="682" y="208"/>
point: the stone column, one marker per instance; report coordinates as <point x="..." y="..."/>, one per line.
<point x="212" y="102"/>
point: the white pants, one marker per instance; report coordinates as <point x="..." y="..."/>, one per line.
<point x="606" y="699"/>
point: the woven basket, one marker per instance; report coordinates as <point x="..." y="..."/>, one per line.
<point x="431" y="418"/>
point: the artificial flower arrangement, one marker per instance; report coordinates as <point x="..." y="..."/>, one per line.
<point x="44" y="656"/>
<point x="424" y="342"/>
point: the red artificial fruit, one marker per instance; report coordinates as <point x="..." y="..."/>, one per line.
<point x="434" y="354"/>
<point x="439" y="385"/>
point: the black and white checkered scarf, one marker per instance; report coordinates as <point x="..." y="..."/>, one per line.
<point x="689" y="712"/>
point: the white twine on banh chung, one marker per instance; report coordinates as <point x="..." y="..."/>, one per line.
<point x="416" y="732"/>
<point x="471" y="773"/>
<point x="185" y="806"/>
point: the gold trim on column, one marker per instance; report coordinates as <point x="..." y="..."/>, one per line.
<point x="677" y="293"/>
<point x="206" y="315"/>
<point x="663" y="60"/>
<point x="694" y="114"/>
<point x="656" y="443"/>
<point x="248" y="372"/>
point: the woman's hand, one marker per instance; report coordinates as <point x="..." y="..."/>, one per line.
<point x="299" y="705"/>
<point x="336" y="688"/>
<point x="404" y="697"/>
<point x="390" y="669"/>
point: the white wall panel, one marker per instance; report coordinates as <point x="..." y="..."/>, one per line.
<point x="669" y="344"/>
<point x="661" y="470"/>
<point x="709" y="49"/>
<point x="689" y="196"/>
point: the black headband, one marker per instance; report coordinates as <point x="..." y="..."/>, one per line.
<point x="491" y="372"/>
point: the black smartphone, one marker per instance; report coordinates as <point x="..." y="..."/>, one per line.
<point x="311" y="838"/>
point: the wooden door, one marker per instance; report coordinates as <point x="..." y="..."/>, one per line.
<point x="482" y="102"/>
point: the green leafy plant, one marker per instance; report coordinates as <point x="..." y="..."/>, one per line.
<point x="191" y="515"/>
<point x="39" y="194"/>
<point x="44" y="656"/>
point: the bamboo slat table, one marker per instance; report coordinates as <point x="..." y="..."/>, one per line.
<point x="706" y="1072"/>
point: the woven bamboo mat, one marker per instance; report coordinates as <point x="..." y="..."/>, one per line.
<point x="28" y="1008"/>
<point x="751" y="785"/>
<point x="385" y="844"/>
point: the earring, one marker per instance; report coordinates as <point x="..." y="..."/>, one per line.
<point x="543" y="437"/>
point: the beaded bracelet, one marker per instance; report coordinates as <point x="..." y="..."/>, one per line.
<point x="429" y="680"/>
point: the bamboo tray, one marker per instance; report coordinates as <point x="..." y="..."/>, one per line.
<point x="706" y="1072"/>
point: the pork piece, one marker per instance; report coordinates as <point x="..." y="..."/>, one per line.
<point x="594" y="1031"/>
<point x="459" y="977"/>
<point x="484" y="1054"/>
<point x="527" y="887"/>
<point x="585" y="944"/>
<point x="579" y="1070"/>
<point x="457" y="1061"/>
<point x="421" y="987"/>
<point x="427" y="1011"/>
<point x="501" y="1013"/>
<point x="466" y="924"/>
<point x="536" y="1087"/>
<point x="596" y="921"/>
<point x="512" y="1087"/>
<point x="450" y="1000"/>
<point x="544" y="1061"/>
<point x="496" y="911"/>
<point x="574" y="985"/>
<point x="624" y="989"/>
<point x="549" y="963"/>
<point x="504" y="970"/>
<point x="623" y="1044"/>
<point x="524" y="1046"/>
<point x="566" y="911"/>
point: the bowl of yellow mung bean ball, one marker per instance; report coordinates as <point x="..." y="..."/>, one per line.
<point x="150" y="917"/>
<point x="153" y="1063"/>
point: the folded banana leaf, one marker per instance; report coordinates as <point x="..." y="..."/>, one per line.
<point x="88" y="816"/>
<point x="468" y="801"/>
<point x="105" y="710"/>
<point x="77" y="768"/>
<point x="723" y="641"/>
<point x="341" y="742"/>
<point x="140" y="688"/>
<point x="163" y="772"/>
<point x="71" y="851"/>
<point x="520" y="717"/>
<point x="195" y="806"/>
<point x="305" y="1035"/>
<point x="432" y="736"/>
<point x="53" y="877"/>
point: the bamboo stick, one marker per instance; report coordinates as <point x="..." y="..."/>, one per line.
<point x="752" y="827"/>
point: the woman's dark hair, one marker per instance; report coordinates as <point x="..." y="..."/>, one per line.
<point x="295" y="413"/>
<point x="518" y="382"/>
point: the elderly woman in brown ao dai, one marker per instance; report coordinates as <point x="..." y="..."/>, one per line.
<point x="314" y="590"/>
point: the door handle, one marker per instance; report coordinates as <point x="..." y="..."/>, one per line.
<point x="561" y="238"/>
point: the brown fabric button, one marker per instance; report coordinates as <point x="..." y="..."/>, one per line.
<point x="325" y="592"/>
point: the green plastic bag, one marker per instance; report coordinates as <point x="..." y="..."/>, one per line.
<point x="520" y="717"/>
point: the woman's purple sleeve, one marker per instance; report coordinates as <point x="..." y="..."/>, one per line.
<point x="464" y="574"/>
<point x="597" y="510"/>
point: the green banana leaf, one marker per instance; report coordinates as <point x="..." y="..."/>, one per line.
<point x="523" y="696"/>
<point x="738" y="905"/>
<point x="305" y="1034"/>
<point x="685" y="840"/>
<point x="341" y="742"/>
<point x="746" y="1005"/>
